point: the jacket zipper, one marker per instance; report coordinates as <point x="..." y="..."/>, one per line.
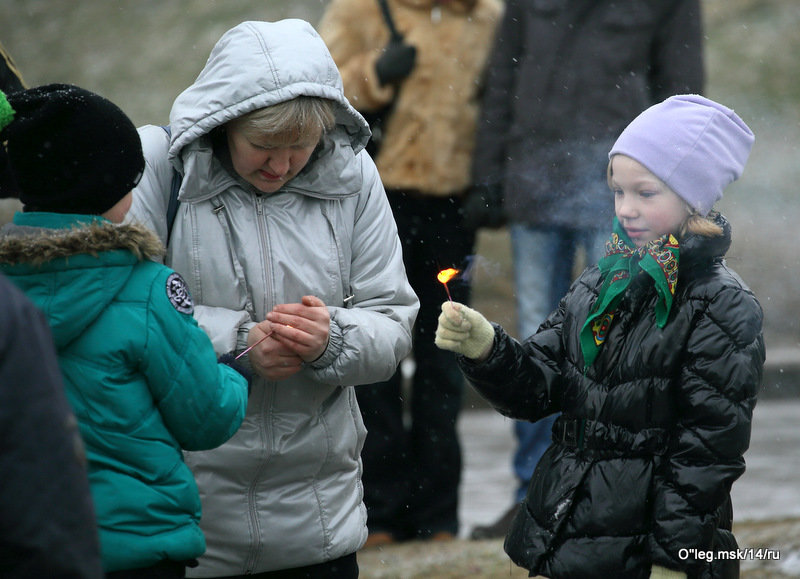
<point x="264" y="410"/>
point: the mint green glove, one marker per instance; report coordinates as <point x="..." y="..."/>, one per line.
<point x="657" y="572"/>
<point x="464" y="331"/>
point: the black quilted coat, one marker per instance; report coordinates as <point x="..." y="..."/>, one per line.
<point x="651" y="436"/>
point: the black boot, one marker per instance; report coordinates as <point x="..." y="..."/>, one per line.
<point x="498" y="529"/>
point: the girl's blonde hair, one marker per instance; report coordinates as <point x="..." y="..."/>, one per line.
<point x="700" y="225"/>
<point x="290" y="121"/>
<point x="694" y="222"/>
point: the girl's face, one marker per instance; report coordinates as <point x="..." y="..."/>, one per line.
<point x="646" y="208"/>
<point x="268" y="162"/>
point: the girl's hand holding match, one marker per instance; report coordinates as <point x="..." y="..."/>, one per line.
<point x="464" y="331"/>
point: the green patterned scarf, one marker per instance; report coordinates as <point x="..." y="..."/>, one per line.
<point x="622" y="262"/>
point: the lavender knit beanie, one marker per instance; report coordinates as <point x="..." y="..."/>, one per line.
<point x="694" y="145"/>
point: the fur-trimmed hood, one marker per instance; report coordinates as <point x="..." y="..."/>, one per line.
<point x="29" y="245"/>
<point x="72" y="266"/>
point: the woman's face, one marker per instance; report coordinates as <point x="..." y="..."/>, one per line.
<point x="268" y="162"/>
<point x="646" y="208"/>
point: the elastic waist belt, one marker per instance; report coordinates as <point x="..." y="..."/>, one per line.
<point x="591" y="434"/>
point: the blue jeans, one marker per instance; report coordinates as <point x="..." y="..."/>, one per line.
<point x="543" y="262"/>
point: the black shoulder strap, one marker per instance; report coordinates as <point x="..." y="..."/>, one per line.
<point x="387" y="16"/>
<point x="172" y="208"/>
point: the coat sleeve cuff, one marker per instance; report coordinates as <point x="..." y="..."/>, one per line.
<point x="241" y="342"/>
<point x="332" y="351"/>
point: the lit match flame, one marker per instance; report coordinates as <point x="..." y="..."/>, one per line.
<point x="445" y="276"/>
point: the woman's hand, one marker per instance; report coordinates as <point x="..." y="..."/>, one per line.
<point x="302" y="328"/>
<point x="269" y="357"/>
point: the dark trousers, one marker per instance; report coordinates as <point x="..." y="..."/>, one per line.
<point x="163" y="570"/>
<point x="342" y="568"/>
<point x="412" y="465"/>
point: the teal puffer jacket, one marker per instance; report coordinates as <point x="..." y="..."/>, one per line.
<point x="142" y="377"/>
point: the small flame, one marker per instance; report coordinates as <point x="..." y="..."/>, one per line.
<point x="446" y="275"/>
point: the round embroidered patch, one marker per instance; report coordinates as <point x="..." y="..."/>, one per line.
<point x="178" y="294"/>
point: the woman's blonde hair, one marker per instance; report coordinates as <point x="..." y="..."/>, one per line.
<point x="694" y="222"/>
<point x="290" y="121"/>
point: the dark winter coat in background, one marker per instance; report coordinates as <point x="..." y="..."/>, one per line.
<point x="565" y="78"/>
<point x="140" y="374"/>
<point x="47" y="523"/>
<point x="652" y="435"/>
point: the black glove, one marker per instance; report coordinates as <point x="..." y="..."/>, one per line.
<point x="483" y="207"/>
<point x="396" y="62"/>
<point x="229" y="359"/>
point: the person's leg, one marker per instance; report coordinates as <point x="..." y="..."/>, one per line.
<point x="166" y="569"/>
<point x="543" y="269"/>
<point x="534" y="259"/>
<point x="533" y="438"/>
<point x="437" y="387"/>
<point x="385" y="454"/>
<point x="594" y="244"/>
<point x="565" y="244"/>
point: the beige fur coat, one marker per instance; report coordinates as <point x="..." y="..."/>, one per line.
<point x="430" y="138"/>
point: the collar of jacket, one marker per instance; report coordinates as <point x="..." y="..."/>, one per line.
<point x="697" y="250"/>
<point x="205" y="174"/>
<point x="36" y="238"/>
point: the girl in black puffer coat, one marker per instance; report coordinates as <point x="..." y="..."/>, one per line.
<point x="654" y="358"/>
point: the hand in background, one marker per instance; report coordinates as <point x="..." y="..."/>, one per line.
<point x="464" y="331"/>
<point x="483" y="207"/>
<point x="396" y="62"/>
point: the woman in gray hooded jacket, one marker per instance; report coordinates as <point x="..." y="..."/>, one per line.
<point x="288" y="245"/>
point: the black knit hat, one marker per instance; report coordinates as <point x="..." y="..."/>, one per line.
<point x="68" y="150"/>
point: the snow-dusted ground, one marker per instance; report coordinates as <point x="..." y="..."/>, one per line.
<point x="769" y="489"/>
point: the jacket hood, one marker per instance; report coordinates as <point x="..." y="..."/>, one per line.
<point x="255" y="65"/>
<point x="73" y="273"/>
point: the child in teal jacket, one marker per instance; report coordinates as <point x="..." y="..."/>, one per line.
<point x="141" y="375"/>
